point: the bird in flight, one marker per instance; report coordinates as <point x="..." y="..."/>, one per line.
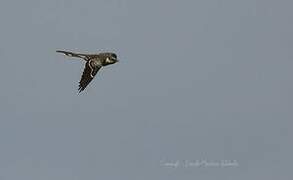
<point x="93" y="64"/>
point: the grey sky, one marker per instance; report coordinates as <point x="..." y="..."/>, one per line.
<point x="197" y="80"/>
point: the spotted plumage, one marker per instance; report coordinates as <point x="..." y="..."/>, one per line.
<point x="94" y="62"/>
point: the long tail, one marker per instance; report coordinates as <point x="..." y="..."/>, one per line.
<point x="71" y="54"/>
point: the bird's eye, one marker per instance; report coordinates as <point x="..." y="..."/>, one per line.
<point x="114" y="56"/>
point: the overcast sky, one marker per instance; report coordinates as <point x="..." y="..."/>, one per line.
<point x="198" y="82"/>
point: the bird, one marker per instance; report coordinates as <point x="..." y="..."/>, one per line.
<point x="94" y="62"/>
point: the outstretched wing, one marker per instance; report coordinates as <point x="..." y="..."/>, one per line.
<point x="71" y="54"/>
<point x="88" y="74"/>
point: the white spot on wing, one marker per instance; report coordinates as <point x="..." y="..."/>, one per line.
<point x="108" y="60"/>
<point x="91" y="69"/>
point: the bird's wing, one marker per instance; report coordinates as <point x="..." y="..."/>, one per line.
<point x="71" y="54"/>
<point x="88" y="74"/>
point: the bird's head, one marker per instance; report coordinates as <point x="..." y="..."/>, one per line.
<point x="110" y="58"/>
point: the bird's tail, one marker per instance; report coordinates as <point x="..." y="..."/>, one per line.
<point x="71" y="54"/>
